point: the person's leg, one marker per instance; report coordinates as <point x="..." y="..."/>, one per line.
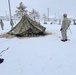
<point x="64" y="35"/>
<point x="2" y="27"/>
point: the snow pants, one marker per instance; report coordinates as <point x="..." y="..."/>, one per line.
<point x="2" y="27"/>
<point x="64" y="34"/>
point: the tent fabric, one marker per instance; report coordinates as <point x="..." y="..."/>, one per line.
<point x="27" y="26"/>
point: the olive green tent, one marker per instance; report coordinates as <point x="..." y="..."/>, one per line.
<point x="27" y="27"/>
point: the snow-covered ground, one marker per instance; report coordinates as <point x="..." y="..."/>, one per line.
<point x="44" y="55"/>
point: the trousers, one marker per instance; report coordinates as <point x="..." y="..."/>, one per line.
<point x="64" y="34"/>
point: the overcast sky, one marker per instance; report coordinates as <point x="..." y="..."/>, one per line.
<point x="57" y="7"/>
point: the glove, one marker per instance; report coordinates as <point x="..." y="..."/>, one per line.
<point x="61" y="29"/>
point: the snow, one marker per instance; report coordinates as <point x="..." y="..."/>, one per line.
<point x="44" y="55"/>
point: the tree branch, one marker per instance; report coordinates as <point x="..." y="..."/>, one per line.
<point x="4" y="50"/>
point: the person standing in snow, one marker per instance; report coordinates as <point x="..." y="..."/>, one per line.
<point x="12" y="23"/>
<point x="2" y="24"/>
<point x="65" y="24"/>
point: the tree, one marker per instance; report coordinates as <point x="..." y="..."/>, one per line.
<point x="34" y="14"/>
<point x="59" y="21"/>
<point x="45" y="18"/>
<point x="21" y="10"/>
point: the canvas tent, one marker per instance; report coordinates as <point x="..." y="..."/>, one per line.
<point x="27" y="27"/>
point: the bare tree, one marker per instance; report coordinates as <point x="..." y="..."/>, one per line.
<point x="21" y="10"/>
<point x="59" y="21"/>
<point x="34" y="14"/>
<point x="45" y="18"/>
<point x="38" y="16"/>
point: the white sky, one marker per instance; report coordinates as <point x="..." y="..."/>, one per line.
<point x="55" y="6"/>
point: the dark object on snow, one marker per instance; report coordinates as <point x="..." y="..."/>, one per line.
<point x="45" y="22"/>
<point x="27" y="27"/>
<point x="65" y="40"/>
<point x="51" y="23"/>
<point x="1" y="60"/>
